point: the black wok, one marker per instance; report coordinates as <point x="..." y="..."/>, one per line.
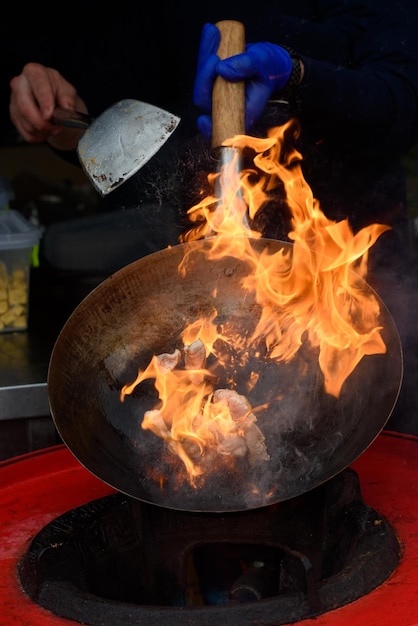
<point x="139" y="312"/>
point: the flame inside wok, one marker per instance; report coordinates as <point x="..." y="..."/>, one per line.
<point x="309" y="296"/>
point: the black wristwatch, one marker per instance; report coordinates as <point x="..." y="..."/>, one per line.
<point x="295" y="76"/>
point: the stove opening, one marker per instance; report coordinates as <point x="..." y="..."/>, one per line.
<point x="118" y="561"/>
<point x="229" y="573"/>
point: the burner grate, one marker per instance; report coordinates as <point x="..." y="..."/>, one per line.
<point x="118" y="561"/>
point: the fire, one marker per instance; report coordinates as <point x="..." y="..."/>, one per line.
<point x="310" y="293"/>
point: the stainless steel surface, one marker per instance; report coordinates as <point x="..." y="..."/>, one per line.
<point x="121" y="140"/>
<point x="24" y="355"/>
<point x="30" y="400"/>
<point x="24" y="358"/>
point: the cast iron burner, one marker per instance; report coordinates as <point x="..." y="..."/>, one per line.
<point x="118" y="561"/>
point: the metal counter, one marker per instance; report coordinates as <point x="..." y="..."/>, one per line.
<point x="24" y="358"/>
<point x="24" y="355"/>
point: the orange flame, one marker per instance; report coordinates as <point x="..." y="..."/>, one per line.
<point x="311" y="292"/>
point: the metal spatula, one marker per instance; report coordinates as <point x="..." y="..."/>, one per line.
<point x="120" y="141"/>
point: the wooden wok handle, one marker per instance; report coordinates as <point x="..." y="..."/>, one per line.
<point x="228" y="99"/>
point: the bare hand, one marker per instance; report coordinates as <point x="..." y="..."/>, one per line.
<point x="34" y="95"/>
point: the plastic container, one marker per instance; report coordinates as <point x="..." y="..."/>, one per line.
<point x="7" y="194"/>
<point x="17" y="240"/>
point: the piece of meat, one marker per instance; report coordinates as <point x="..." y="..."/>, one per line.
<point x="238" y="405"/>
<point x="255" y="441"/>
<point x="168" y="361"/>
<point x="233" y="444"/>
<point x="195" y="359"/>
<point x="247" y="437"/>
<point x="154" y="421"/>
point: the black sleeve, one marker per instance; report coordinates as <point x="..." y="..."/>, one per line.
<point x="361" y="76"/>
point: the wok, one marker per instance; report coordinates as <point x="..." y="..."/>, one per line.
<point x="139" y="312"/>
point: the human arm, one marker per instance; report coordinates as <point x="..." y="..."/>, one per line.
<point x="360" y="72"/>
<point x="35" y="93"/>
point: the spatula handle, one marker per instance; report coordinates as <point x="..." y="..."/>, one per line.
<point x="228" y="99"/>
<point x="71" y="118"/>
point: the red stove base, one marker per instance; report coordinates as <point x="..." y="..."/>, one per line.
<point x="38" y="487"/>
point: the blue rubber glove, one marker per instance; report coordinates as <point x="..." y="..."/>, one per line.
<point x="266" y="68"/>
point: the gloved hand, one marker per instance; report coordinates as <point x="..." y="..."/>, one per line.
<point x="266" y="68"/>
